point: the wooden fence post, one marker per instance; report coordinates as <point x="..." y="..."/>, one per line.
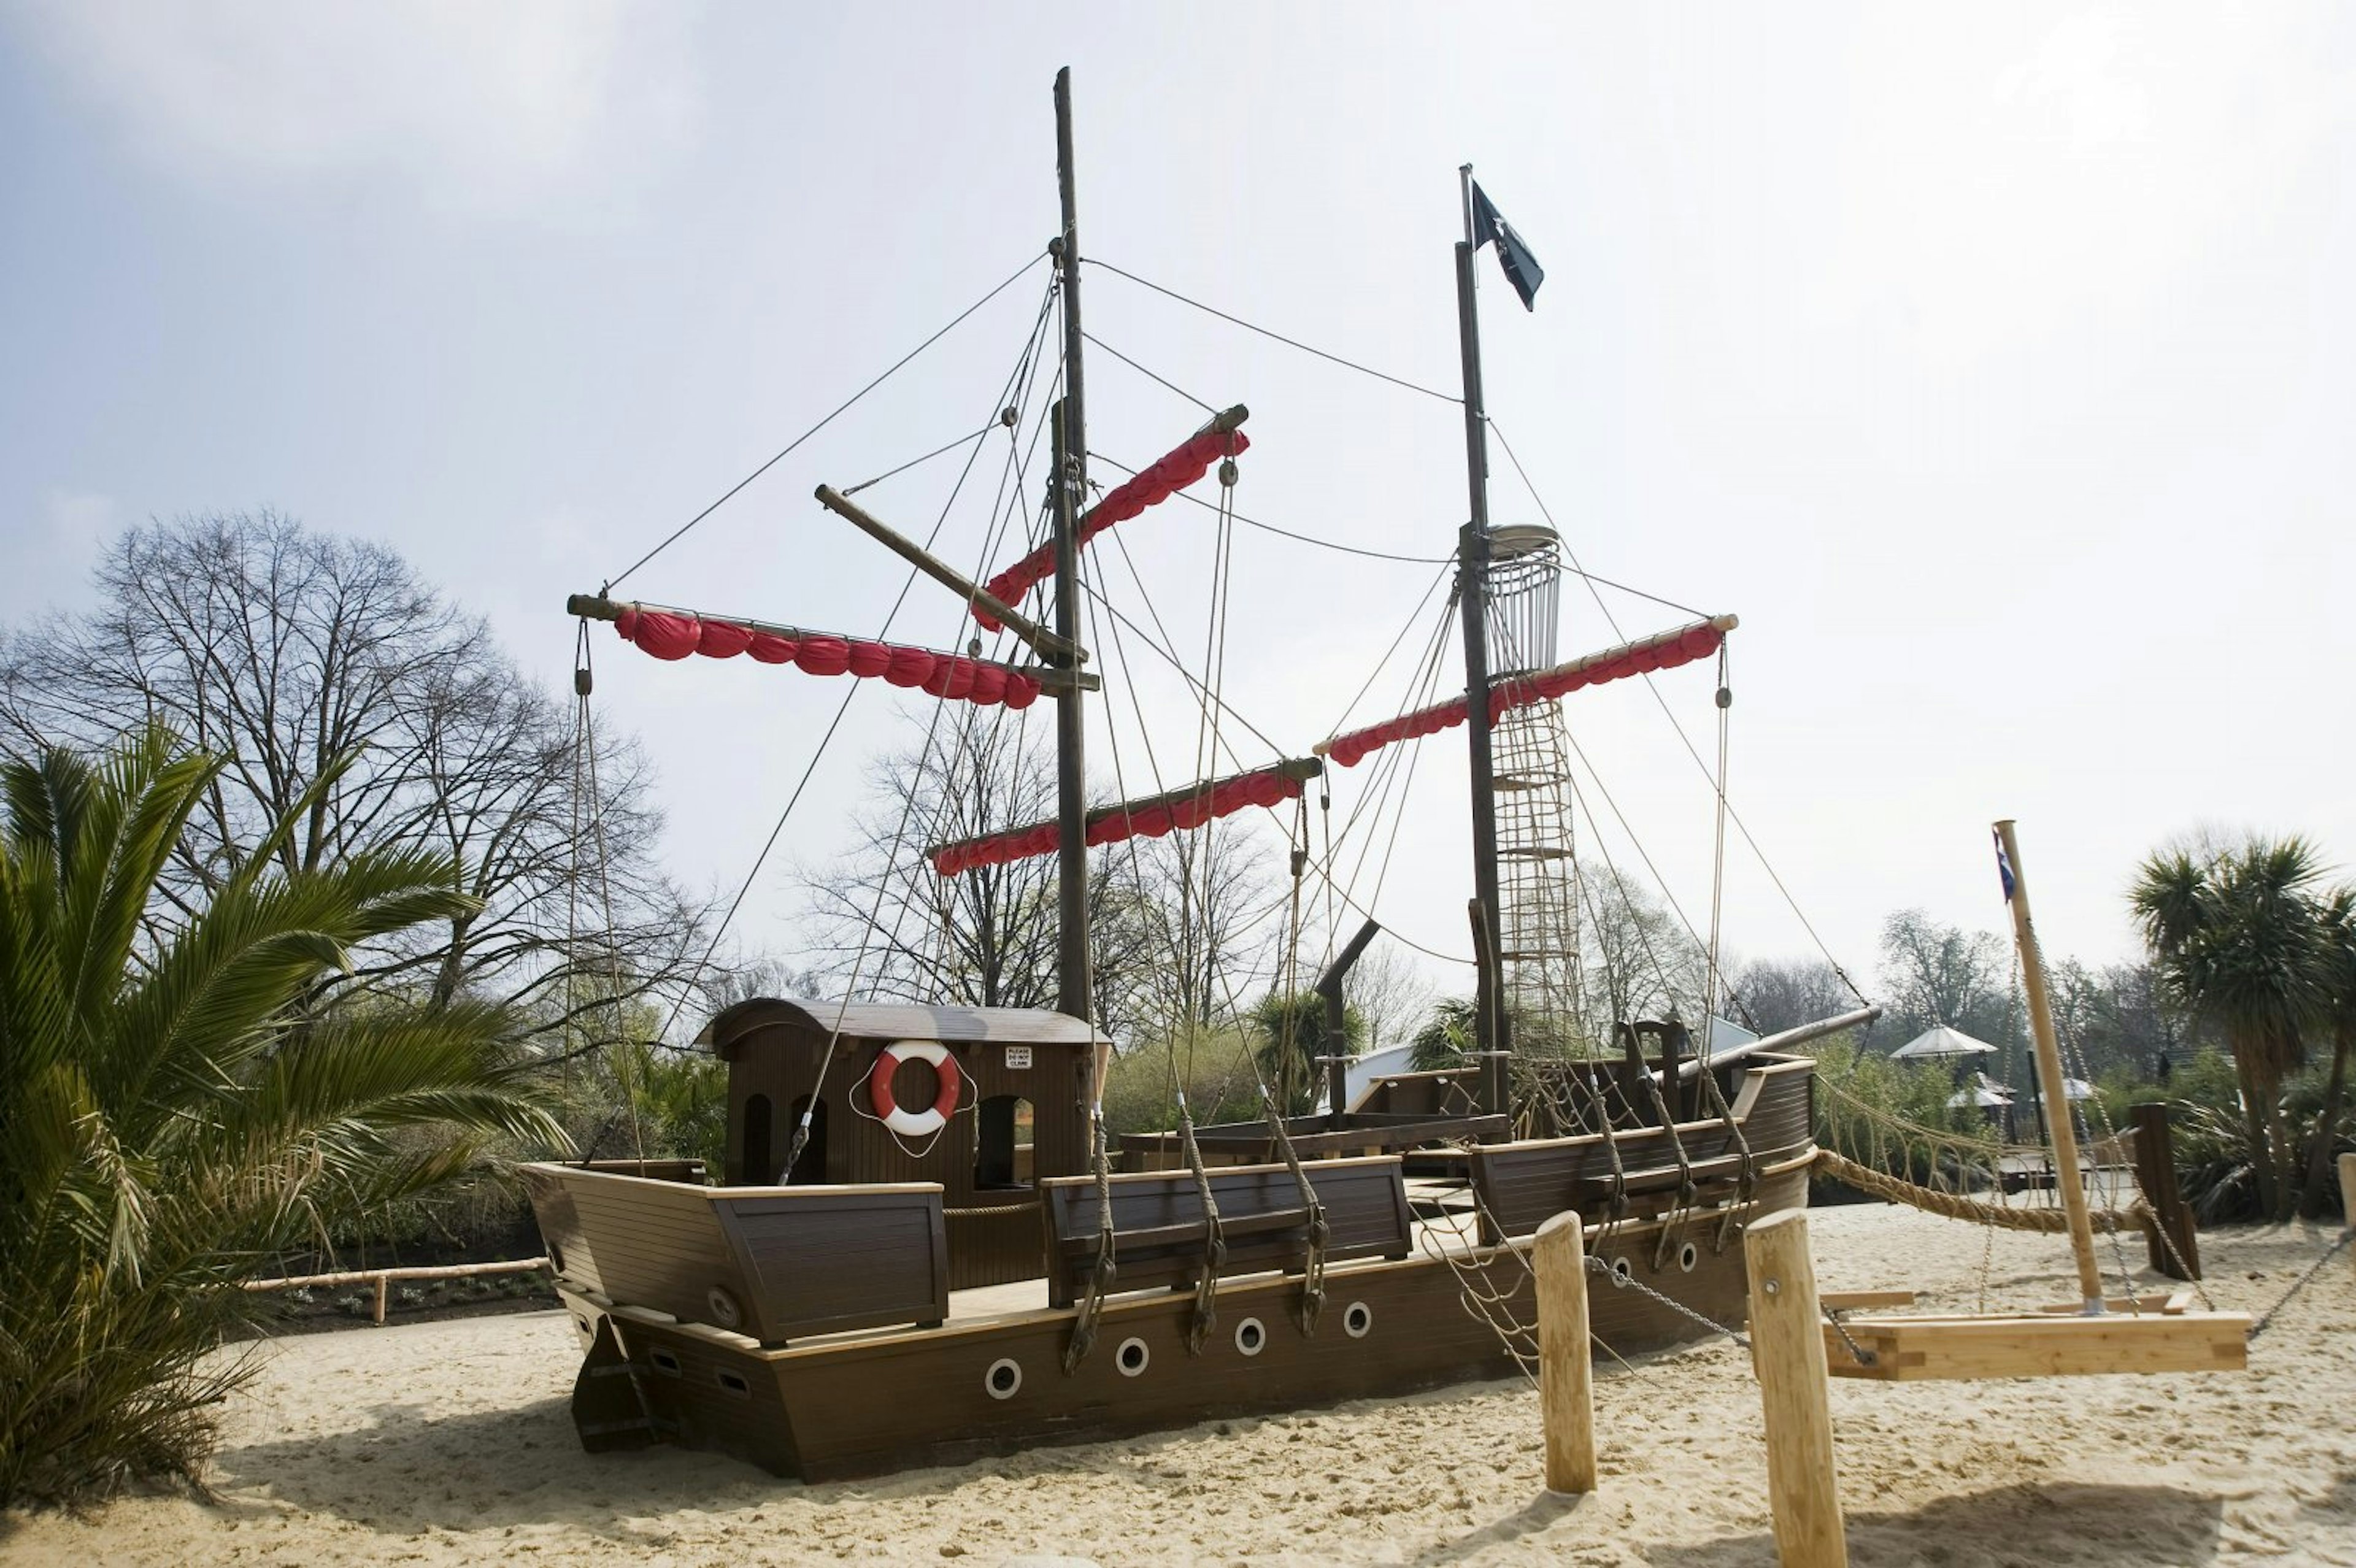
<point x="2347" y="1191"/>
<point x="382" y="1283"/>
<point x="1566" y="1394"/>
<point x="2171" y="1219"/>
<point x="1787" y="1352"/>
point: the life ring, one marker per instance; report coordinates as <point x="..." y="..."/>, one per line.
<point x="914" y="1124"/>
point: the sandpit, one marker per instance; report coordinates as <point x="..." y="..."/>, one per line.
<point x="449" y="1442"/>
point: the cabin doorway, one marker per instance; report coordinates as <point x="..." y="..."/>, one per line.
<point x="1002" y="1143"/>
<point x="756" y="1169"/>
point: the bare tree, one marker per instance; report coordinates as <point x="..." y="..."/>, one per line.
<point x="282" y="649"/>
<point x="1935" y="973"/>
<point x="884" y="924"/>
<point x="1390" y="992"/>
<point x="1640" y="960"/>
<point x="1175" y="924"/>
<point x="1213" y="912"/>
<point x="1780" y="994"/>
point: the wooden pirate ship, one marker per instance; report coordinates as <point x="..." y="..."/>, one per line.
<point x="925" y="1247"/>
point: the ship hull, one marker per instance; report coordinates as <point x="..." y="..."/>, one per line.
<point x="865" y="1404"/>
<point x="829" y="1411"/>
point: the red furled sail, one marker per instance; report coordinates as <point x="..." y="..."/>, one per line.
<point x="1151" y="817"/>
<point x="676" y="634"/>
<point x="1148" y="487"/>
<point x="1665" y="651"/>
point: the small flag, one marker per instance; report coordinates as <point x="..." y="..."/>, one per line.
<point x="1522" y="269"/>
<point x="2003" y="866"/>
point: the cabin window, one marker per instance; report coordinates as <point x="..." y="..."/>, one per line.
<point x="811" y="1166"/>
<point x="1002" y="1156"/>
<point x="759" y="1171"/>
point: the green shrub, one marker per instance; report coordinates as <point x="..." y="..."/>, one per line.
<point x="181" y="1102"/>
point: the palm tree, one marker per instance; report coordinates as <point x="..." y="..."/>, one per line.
<point x="1446" y="1041"/>
<point x="180" y="1100"/>
<point x="2336" y="916"/>
<point x="1290" y="1031"/>
<point x="2237" y="939"/>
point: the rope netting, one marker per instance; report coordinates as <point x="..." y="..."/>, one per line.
<point x="1958" y="1174"/>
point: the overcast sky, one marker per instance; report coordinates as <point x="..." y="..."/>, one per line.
<point x="1992" y="362"/>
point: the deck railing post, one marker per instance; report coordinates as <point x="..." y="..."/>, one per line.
<point x="2348" y="1191"/>
<point x="1566" y="1394"/>
<point x="1787" y="1352"/>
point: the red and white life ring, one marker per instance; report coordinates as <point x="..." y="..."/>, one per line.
<point x="914" y="1124"/>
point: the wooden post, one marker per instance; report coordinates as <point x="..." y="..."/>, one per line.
<point x="2168" y="1236"/>
<point x="2051" y="1086"/>
<point x="1075" y="964"/>
<point x="1493" y="1028"/>
<point x="1566" y="1394"/>
<point x="382" y="1286"/>
<point x="2348" y="1190"/>
<point x="1787" y="1350"/>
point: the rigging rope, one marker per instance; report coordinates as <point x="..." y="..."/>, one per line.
<point x="844" y="708"/>
<point x="1157" y="380"/>
<point x="1717" y="852"/>
<point x="1022" y="379"/>
<point x="951" y="447"/>
<point x="1442" y="560"/>
<point x="586" y="789"/>
<point x="1732" y="815"/>
<point x="1289" y="342"/>
<point x="840" y="409"/>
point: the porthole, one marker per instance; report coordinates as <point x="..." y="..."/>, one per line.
<point x="734" y="1385"/>
<point x="723" y="1308"/>
<point x="1132" y="1357"/>
<point x="1005" y="1378"/>
<point x="1357" y="1319"/>
<point x="1688" y="1258"/>
<point x="1250" y="1337"/>
<point x="1622" y="1271"/>
<point x="665" y="1362"/>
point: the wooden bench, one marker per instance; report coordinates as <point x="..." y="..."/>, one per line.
<point x="1160" y="1230"/>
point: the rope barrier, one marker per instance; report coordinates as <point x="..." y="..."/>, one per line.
<point x="1957" y="1206"/>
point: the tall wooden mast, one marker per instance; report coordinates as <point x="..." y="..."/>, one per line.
<point x="1075" y="978"/>
<point x="1472" y="584"/>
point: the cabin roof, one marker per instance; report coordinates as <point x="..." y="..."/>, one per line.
<point x="878" y="1021"/>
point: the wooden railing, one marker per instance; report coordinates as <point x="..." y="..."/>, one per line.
<point x="382" y="1278"/>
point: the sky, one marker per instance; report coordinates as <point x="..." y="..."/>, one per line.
<point x="1992" y="362"/>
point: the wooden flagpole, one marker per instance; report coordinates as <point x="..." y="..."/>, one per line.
<point x="2051" y="1083"/>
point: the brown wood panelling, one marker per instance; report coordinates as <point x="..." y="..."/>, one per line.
<point x="996" y="1244"/>
<point x="825" y="1259"/>
<point x="782" y="1060"/>
<point x="1524" y="1184"/>
<point x="796" y="1260"/>
<point x="1422" y="1094"/>
<point x="875" y="1403"/>
<point x="1364" y="1201"/>
<point x="912" y="1400"/>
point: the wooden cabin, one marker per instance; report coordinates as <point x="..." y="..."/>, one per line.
<point x="988" y="1102"/>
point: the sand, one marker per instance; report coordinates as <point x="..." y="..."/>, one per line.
<point x="448" y="1443"/>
